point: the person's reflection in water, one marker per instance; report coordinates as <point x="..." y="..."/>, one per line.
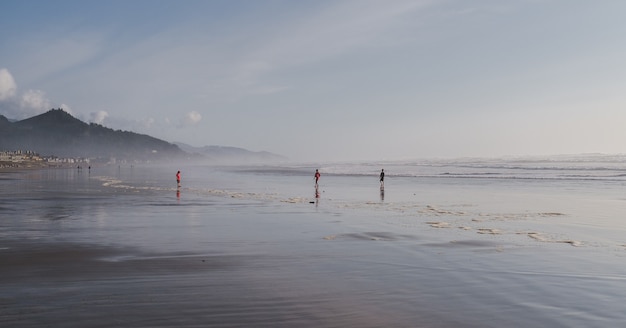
<point x="317" y="194"/>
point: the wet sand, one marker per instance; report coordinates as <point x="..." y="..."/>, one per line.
<point x="74" y="285"/>
<point x="365" y="279"/>
<point x="78" y="252"/>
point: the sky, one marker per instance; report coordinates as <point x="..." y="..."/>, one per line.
<point x="318" y="80"/>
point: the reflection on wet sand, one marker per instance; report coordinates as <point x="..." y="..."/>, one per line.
<point x="92" y="285"/>
<point x="317" y="194"/>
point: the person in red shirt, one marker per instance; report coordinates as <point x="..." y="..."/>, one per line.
<point x="178" y="178"/>
<point x="317" y="176"/>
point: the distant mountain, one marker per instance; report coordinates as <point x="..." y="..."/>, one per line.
<point x="222" y="154"/>
<point x="60" y="134"/>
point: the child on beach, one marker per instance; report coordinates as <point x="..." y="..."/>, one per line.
<point x="317" y="176"/>
<point x="382" y="178"/>
<point x="178" y="178"/>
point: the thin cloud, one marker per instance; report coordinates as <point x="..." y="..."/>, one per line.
<point x="98" y="117"/>
<point x="190" y="119"/>
<point x="77" y="47"/>
<point x="148" y="122"/>
<point x="336" y="30"/>
<point x="298" y="40"/>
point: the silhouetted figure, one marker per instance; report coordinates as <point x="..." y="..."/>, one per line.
<point x="382" y="178"/>
<point x="178" y="178"/>
<point x="317" y="176"/>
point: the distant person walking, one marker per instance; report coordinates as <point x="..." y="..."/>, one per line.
<point x="317" y="176"/>
<point x="382" y="178"/>
<point x="178" y="178"/>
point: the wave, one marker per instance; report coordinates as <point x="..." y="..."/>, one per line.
<point x="590" y="167"/>
<point x="563" y="168"/>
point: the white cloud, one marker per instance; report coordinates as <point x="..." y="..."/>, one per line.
<point x="66" y="108"/>
<point x="29" y="103"/>
<point x="98" y="117"/>
<point x="191" y="118"/>
<point x="7" y="85"/>
<point x="34" y="102"/>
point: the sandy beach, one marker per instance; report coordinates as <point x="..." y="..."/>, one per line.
<point x="128" y="249"/>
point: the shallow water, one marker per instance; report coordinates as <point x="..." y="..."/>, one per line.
<point x="122" y="246"/>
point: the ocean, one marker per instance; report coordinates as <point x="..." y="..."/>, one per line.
<point x="515" y="242"/>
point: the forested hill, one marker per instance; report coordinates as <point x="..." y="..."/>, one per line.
<point x="60" y="134"/>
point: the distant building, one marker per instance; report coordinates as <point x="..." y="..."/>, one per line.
<point x="20" y="158"/>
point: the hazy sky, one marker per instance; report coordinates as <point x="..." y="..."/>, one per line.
<point x="328" y="80"/>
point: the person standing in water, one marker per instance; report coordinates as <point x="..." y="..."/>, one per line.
<point x="382" y="178"/>
<point x="317" y="176"/>
<point x="178" y="178"/>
